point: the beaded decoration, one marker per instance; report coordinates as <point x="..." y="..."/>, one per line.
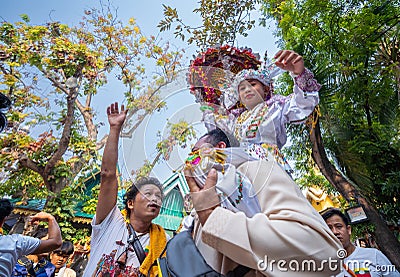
<point x="240" y="188"/>
<point x="211" y="71"/>
<point x="252" y="129"/>
<point x="203" y="156"/>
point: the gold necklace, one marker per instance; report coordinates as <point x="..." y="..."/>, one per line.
<point x="252" y="128"/>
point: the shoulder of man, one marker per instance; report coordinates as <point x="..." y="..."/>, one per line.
<point x="369" y="252"/>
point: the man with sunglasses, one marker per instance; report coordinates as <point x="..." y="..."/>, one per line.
<point x="124" y="243"/>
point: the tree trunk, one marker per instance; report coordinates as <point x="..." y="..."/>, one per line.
<point x="386" y="240"/>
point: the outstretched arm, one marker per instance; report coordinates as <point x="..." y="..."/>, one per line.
<point x="54" y="240"/>
<point x="109" y="185"/>
<point x="305" y="96"/>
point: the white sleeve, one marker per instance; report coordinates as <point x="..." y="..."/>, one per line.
<point x="384" y="267"/>
<point x="305" y="97"/>
<point x="113" y="218"/>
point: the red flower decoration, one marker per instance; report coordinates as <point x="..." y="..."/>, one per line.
<point x="207" y="72"/>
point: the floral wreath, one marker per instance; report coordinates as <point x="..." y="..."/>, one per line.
<point x="211" y="72"/>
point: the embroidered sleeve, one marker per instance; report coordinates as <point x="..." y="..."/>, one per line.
<point x="306" y="82"/>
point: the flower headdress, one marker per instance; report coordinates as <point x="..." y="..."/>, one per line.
<point x="211" y="71"/>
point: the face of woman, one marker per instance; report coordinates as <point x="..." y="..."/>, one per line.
<point x="251" y="93"/>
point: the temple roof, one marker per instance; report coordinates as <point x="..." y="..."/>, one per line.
<point x="171" y="214"/>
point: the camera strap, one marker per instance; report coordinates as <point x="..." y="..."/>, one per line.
<point x="134" y="241"/>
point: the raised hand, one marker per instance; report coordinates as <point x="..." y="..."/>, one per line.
<point x="115" y="117"/>
<point x="290" y="61"/>
<point x="42" y="216"/>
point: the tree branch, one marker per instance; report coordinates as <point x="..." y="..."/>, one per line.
<point x="328" y="170"/>
<point x="28" y="163"/>
<point x="100" y="144"/>
<point x="349" y="192"/>
<point x="64" y="141"/>
<point x="56" y="83"/>
<point x="87" y="115"/>
<point x="129" y="133"/>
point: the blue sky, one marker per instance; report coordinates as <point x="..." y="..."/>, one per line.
<point x="147" y="14"/>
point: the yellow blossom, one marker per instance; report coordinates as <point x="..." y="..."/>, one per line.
<point x="142" y="40"/>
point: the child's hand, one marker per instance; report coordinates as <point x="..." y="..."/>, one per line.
<point x="290" y="61"/>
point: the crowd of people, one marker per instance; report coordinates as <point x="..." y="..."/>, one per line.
<point x="41" y="254"/>
<point x="248" y="212"/>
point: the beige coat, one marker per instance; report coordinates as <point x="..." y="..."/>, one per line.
<point x="66" y="272"/>
<point x="289" y="235"/>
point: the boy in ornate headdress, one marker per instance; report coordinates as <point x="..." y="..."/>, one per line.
<point x="260" y="128"/>
<point x="286" y="229"/>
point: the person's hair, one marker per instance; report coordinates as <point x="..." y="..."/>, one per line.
<point x="134" y="190"/>
<point x="214" y="136"/>
<point x="39" y="233"/>
<point x="6" y="208"/>
<point x="67" y="248"/>
<point x="333" y="211"/>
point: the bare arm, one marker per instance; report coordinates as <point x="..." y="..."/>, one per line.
<point x="109" y="185"/>
<point x="54" y="240"/>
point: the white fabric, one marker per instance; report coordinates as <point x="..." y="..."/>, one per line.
<point x="281" y="110"/>
<point x="65" y="272"/>
<point x="369" y="260"/>
<point x="13" y="247"/>
<point x="237" y="199"/>
<point x="231" y="196"/>
<point x="288" y="231"/>
<point x="104" y="238"/>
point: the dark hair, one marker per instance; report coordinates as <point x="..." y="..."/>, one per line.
<point x="216" y="135"/>
<point x="5" y="104"/>
<point x="67" y="248"/>
<point x="40" y="233"/>
<point x="134" y="189"/>
<point x="6" y="208"/>
<point x="333" y="211"/>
